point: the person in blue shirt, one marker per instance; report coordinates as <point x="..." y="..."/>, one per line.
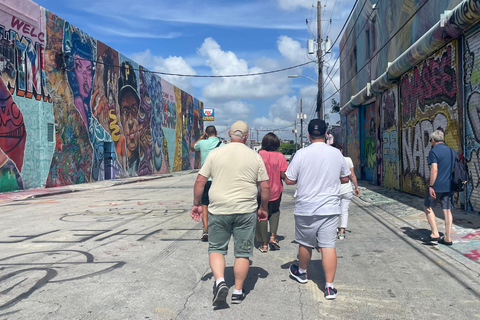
<point x="207" y="142"/>
<point x="441" y="159"/>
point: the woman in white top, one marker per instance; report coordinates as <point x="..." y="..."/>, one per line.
<point x="346" y="194"/>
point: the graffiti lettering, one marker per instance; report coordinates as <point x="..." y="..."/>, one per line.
<point x="473" y="114"/>
<point x="26" y="29"/>
<point x="47" y="267"/>
<point x="433" y="82"/>
<point x="390" y="146"/>
<point x="473" y="186"/>
<point x="114" y="126"/>
<point x="30" y="80"/>
<point x="415" y="149"/>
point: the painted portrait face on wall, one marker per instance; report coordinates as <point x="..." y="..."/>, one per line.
<point x="129" y="111"/>
<point x="12" y="128"/>
<point x="83" y="72"/>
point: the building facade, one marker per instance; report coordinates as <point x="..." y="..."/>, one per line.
<point x="73" y="110"/>
<point x="408" y="68"/>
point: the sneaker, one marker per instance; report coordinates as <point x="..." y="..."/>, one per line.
<point x="204" y="236"/>
<point x="302" y="278"/>
<point x="341" y="236"/>
<point x="220" y="293"/>
<point x="330" y="293"/>
<point x="238" y="298"/>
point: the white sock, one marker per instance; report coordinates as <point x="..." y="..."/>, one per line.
<point x="219" y="280"/>
<point x="235" y="291"/>
<point x="328" y="285"/>
<point x="301" y="271"/>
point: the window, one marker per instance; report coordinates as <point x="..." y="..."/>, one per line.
<point x="50" y="132"/>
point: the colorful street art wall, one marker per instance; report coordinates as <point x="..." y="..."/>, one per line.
<point x="390" y="146"/>
<point x="368" y="142"/>
<point x="363" y="53"/>
<point x="73" y="110"/>
<point x="352" y="141"/>
<point x="471" y="72"/>
<point x="428" y="100"/>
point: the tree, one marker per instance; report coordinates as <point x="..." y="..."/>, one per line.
<point x="288" y="148"/>
<point x="335" y="107"/>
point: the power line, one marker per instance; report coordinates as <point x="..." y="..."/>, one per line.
<point x="194" y="75"/>
<point x="344" y="57"/>
<point x="388" y="41"/>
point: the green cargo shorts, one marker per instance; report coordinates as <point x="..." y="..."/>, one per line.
<point x="221" y="227"/>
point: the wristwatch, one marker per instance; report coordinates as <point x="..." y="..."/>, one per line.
<point x="430" y="186"/>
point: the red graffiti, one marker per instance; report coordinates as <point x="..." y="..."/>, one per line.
<point x="432" y="82"/>
<point x="471" y="236"/>
<point x="27" y="29"/>
<point x="474" y="254"/>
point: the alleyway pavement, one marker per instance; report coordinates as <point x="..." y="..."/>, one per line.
<point x="128" y="249"/>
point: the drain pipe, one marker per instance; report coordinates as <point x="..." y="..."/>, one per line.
<point x="456" y="22"/>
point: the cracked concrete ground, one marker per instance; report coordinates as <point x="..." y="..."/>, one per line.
<point x="131" y="251"/>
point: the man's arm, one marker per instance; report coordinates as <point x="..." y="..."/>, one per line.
<point x="264" y="196"/>
<point x="344" y="180"/>
<point x="433" y="177"/>
<point x="192" y="146"/>
<point x="290" y="182"/>
<point x="198" y="190"/>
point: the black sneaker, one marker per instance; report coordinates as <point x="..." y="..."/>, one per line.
<point x="238" y="298"/>
<point x="220" y="293"/>
<point x="330" y="293"/>
<point x="204" y="237"/>
<point x="300" y="277"/>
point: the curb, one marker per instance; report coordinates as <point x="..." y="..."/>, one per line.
<point x="30" y="194"/>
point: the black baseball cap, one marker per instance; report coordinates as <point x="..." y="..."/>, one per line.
<point x="317" y="127"/>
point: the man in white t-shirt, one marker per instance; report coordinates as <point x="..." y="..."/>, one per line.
<point x="318" y="170"/>
<point x="236" y="171"/>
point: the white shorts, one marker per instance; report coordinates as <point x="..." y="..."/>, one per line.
<point x="316" y="231"/>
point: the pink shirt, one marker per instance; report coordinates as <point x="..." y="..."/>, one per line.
<point x="275" y="162"/>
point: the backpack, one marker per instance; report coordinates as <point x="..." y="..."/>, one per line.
<point x="459" y="175"/>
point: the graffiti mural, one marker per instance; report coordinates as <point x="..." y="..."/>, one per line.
<point x="428" y="101"/>
<point x="368" y="139"/>
<point x="389" y="129"/>
<point x="73" y="110"/>
<point x="353" y="140"/>
<point x="169" y="122"/>
<point x="471" y="67"/>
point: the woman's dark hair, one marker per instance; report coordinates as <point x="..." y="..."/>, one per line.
<point x="337" y="145"/>
<point x="270" y="142"/>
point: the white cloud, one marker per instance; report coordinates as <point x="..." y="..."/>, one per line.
<point x="292" y="50"/>
<point x="135" y="33"/>
<point x="281" y="117"/>
<point x="294" y="4"/>
<point x="250" y="87"/>
<point x="174" y="65"/>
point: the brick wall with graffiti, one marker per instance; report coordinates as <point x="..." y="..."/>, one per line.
<point x="73" y="110"/>
<point x="471" y="65"/>
<point x="428" y="100"/>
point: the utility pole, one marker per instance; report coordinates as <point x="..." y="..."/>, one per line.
<point x="320" y="61"/>
<point x="295" y="135"/>
<point x="301" y="124"/>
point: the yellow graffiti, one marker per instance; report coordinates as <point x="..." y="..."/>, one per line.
<point x="114" y="127"/>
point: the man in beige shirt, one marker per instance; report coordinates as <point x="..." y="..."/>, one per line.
<point x="236" y="170"/>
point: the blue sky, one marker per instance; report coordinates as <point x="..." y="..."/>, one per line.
<point x="222" y="37"/>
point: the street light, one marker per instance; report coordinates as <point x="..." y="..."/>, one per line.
<point x="320" y="111"/>
<point x="300" y="76"/>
